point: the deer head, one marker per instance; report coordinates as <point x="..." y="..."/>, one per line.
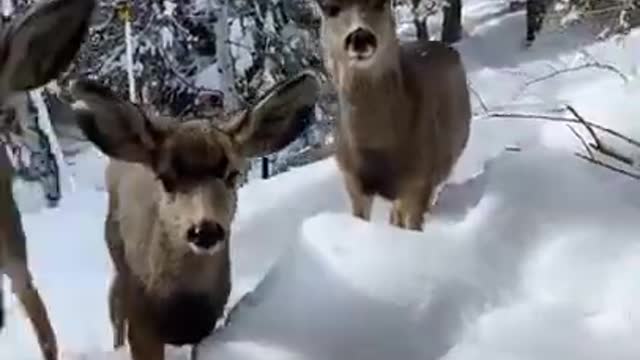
<point x="196" y="163"/>
<point x="357" y="32"/>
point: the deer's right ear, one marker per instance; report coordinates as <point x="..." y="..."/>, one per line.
<point x="39" y="45"/>
<point x="118" y="128"/>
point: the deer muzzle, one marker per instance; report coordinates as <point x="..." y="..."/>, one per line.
<point x="361" y="44"/>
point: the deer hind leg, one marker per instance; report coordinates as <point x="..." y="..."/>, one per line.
<point x="118" y="290"/>
<point x="361" y="203"/>
<point x="15" y="266"/>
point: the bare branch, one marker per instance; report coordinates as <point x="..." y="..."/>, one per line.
<point x="608" y="166"/>
<point x="484" y="106"/>
<point x="586" y="125"/>
<point x="611" y="132"/>
<point x="582" y="140"/>
<point x="599" y="145"/>
<point x="594" y="64"/>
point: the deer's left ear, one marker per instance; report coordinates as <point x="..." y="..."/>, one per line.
<point x="42" y="43"/>
<point x="278" y="118"/>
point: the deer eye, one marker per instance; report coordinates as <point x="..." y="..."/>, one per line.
<point x="168" y="181"/>
<point x="231" y="179"/>
<point x="379" y="4"/>
<point x="332" y="10"/>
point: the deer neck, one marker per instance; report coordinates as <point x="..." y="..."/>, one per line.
<point x="373" y="98"/>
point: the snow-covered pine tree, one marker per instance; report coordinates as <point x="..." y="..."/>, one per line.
<point x="172" y="42"/>
<point x="270" y="41"/>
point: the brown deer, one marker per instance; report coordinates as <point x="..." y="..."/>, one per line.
<point x="172" y="198"/>
<point x="34" y="49"/>
<point x="404" y="109"/>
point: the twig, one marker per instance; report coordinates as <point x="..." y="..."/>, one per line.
<point x="586" y="125"/>
<point x="562" y="119"/>
<point x="610" y="167"/>
<point x="484" y="106"/>
<point x="599" y="145"/>
<point x="594" y="64"/>
<point x="582" y="140"/>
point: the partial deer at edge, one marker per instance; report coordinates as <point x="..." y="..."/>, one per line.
<point x="172" y="198"/>
<point x="404" y="109"/>
<point x="34" y="49"/>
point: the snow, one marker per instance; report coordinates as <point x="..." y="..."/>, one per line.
<point x="529" y="254"/>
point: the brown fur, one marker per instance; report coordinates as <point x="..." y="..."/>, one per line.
<point x="163" y="178"/>
<point x="34" y="49"/>
<point x="404" y="115"/>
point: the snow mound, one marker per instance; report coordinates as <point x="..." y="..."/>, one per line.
<point x="537" y="248"/>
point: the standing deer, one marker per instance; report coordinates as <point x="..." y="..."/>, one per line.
<point x="404" y="109"/>
<point x="34" y="49"/>
<point x="172" y="198"/>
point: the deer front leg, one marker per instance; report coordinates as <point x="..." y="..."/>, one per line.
<point x="14" y="264"/>
<point x="142" y="344"/>
<point x="409" y="209"/>
<point x="118" y="290"/>
<point x="395" y="215"/>
<point x="117" y="310"/>
<point x="22" y="285"/>
<point x="361" y="203"/>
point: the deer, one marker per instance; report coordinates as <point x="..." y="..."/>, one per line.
<point x="34" y="49"/>
<point x="404" y="110"/>
<point x="172" y="197"/>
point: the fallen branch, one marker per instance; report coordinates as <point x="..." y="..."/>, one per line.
<point x="597" y="145"/>
<point x="608" y="166"/>
<point x="582" y="140"/>
<point x="589" y="65"/>
<point x="565" y="120"/>
<point x="484" y="106"/>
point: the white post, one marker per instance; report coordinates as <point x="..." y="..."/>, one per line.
<point x="224" y="60"/>
<point x="67" y="184"/>
<point x="129" y="45"/>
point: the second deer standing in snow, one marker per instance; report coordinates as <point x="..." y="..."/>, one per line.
<point x="404" y="109"/>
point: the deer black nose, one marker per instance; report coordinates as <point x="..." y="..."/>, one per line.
<point x="361" y="41"/>
<point x="206" y="235"/>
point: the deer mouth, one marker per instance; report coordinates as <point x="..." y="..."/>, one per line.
<point x="207" y="238"/>
<point x="207" y="251"/>
<point x="361" y="45"/>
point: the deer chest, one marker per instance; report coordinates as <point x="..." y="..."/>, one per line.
<point x="181" y="318"/>
<point x="377" y="172"/>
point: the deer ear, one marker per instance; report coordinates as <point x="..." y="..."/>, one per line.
<point x="43" y="42"/>
<point x="278" y="118"/>
<point x="118" y="128"/>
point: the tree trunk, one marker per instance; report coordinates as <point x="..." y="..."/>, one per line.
<point x="419" y="22"/>
<point x="422" y="30"/>
<point x="536" y="10"/>
<point x="452" y="23"/>
<point x="265" y="167"/>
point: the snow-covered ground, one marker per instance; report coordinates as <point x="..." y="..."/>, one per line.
<point x="530" y="254"/>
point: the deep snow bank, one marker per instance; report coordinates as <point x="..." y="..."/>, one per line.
<point x="549" y="242"/>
